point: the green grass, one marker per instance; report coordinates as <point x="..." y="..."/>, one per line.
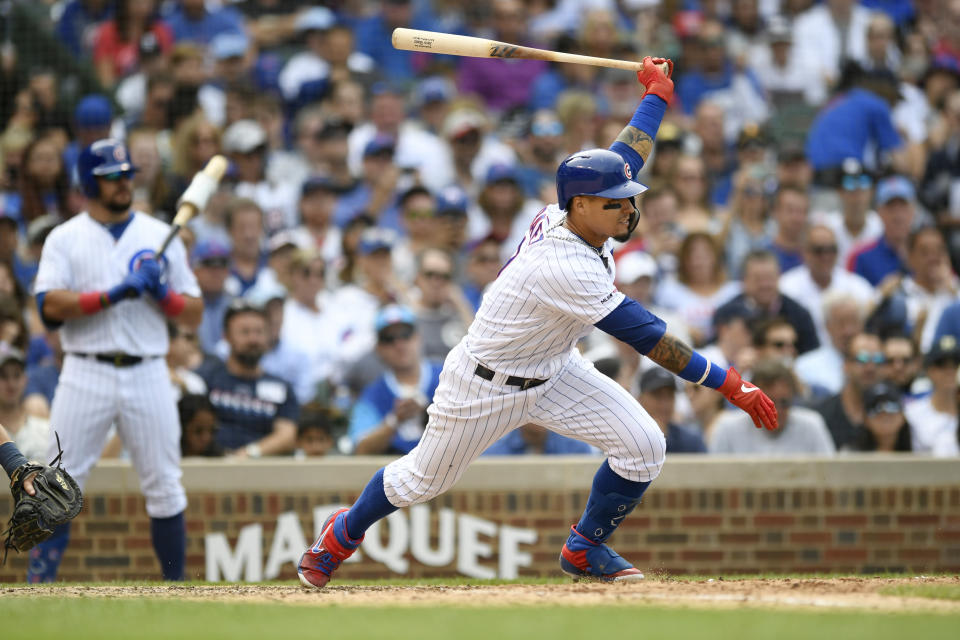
<point x="147" y="618"/>
<point x="935" y="591"/>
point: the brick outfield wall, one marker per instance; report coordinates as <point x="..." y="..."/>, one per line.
<point x="699" y="526"/>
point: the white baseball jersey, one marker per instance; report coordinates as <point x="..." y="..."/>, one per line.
<point x="545" y="299"/>
<point x="81" y="255"/>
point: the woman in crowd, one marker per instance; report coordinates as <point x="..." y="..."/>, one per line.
<point x="116" y="45"/>
<point x="701" y="285"/>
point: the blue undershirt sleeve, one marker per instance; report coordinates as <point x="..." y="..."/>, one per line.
<point x="647" y="118"/>
<point x="633" y="324"/>
<point x="47" y="322"/>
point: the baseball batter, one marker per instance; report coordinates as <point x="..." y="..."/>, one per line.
<point x="518" y="363"/>
<point x="100" y="282"/>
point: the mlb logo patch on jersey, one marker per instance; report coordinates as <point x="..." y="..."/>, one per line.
<point x="626" y="171"/>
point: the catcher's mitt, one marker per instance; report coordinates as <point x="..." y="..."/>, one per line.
<point x="57" y="500"/>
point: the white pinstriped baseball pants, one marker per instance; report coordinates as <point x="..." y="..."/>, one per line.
<point x="469" y="414"/>
<point x="91" y="396"/>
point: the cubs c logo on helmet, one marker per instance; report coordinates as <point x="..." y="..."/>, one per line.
<point x="119" y="154"/>
<point x="626" y="171"/>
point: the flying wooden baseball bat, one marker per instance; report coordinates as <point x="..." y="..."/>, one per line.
<point x="195" y="198"/>
<point x="456" y="45"/>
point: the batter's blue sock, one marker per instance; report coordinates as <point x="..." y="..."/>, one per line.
<point x="372" y="505"/>
<point x="611" y="499"/>
<point x="170" y="544"/>
<point x="45" y="557"/>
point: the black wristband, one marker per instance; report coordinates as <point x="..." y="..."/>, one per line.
<point x="11" y="458"/>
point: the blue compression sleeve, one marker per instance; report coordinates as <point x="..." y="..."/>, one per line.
<point x="633" y="324"/>
<point x="647" y="118"/>
<point x="702" y="371"/>
<point x="10" y="457"/>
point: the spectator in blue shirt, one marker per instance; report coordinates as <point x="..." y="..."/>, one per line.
<point x="790" y="209"/>
<point x="390" y="415"/>
<point x="658" y="393"/>
<point x="191" y="20"/>
<point x="373" y="37"/>
<point x="534" y="439"/>
<point x="855" y="122"/>
<point x="211" y="265"/>
<point x="78" y="23"/>
<point x="896" y="205"/>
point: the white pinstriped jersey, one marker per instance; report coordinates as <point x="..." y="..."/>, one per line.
<point x="81" y="255"/>
<point x="546" y="298"/>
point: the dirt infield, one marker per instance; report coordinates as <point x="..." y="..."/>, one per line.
<point x="835" y="593"/>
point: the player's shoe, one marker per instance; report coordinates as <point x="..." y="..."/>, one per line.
<point x="582" y="558"/>
<point x="318" y="563"/>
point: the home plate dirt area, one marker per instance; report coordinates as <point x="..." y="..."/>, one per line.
<point x="878" y="593"/>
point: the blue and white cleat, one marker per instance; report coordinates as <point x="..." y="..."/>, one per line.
<point x="583" y="559"/>
<point x="318" y="563"/>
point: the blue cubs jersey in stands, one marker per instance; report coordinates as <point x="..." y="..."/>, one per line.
<point x="246" y="408"/>
<point x="377" y="401"/>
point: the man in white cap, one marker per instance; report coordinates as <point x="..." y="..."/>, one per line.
<point x="245" y="141"/>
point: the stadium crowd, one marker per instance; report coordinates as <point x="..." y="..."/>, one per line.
<point x="802" y="221"/>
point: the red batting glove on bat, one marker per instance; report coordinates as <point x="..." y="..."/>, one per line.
<point x="653" y="78"/>
<point x="751" y="399"/>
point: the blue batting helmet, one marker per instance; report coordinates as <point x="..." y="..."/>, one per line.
<point x="595" y="172"/>
<point x="99" y="159"/>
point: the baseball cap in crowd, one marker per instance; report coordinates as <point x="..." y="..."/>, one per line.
<point x="545" y="124"/>
<point x="943" y="350"/>
<point x="229" y="45"/>
<point x="778" y="30"/>
<point x="687" y="24"/>
<point x="853" y="175"/>
<point x="244" y="136"/>
<point x="93" y="112"/>
<point x="376" y="239"/>
<point x="452" y="201"/>
<point x="893" y="188"/>
<point x="434" y="89"/>
<point x="208" y="251"/>
<point x="262" y="296"/>
<point x="393" y="315"/>
<point x="635" y="265"/>
<point x="380" y="143"/>
<point x="297" y="238"/>
<point x="317" y="183"/>
<point x="752" y="135"/>
<point x="9" y="353"/>
<point x="657" y="378"/>
<point x="882" y="397"/>
<point x="462" y="121"/>
<point x="502" y="173"/>
<point x="315" y="19"/>
<point x="669" y="135"/>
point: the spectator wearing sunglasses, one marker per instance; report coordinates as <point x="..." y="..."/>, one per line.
<point x="844" y="412"/>
<point x="390" y="415"/>
<point x="822" y="369"/>
<point x="885" y="428"/>
<point x="855" y="224"/>
<point x="901" y="365"/>
<point x="820" y="273"/>
<point x="443" y="312"/>
<point x="933" y="418"/>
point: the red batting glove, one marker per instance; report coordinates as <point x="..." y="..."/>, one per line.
<point x="653" y="78"/>
<point x="751" y="399"/>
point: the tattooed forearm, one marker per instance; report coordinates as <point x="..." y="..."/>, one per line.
<point x="639" y="141"/>
<point x="671" y="353"/>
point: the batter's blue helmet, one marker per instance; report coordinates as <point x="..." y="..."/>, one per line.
<point x="595" y="172"/>
<point x="99" y="159"/>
